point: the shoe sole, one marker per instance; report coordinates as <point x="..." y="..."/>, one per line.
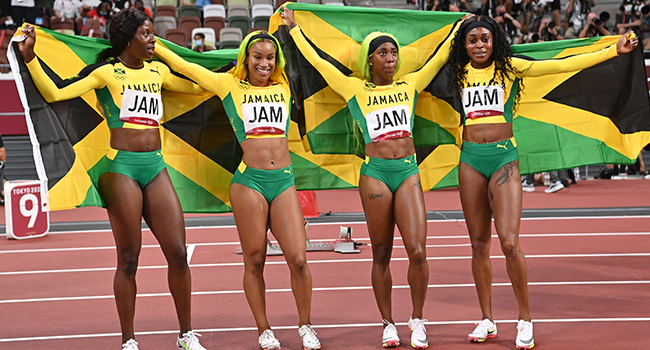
<point x="480" y="340"/>
<point x="306" y="348"/>
<point x="419" y="346"/>
<point x="278" y="348"/>
<point x="391" y="344"/>
<point x="526" y="346"/>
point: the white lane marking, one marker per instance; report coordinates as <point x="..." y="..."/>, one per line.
<point x="464" y="237"/>
<point x="326" y="289"/>
<point x="190" y="252"/>
<point x="12" y="273"/>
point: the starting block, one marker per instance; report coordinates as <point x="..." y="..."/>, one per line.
<point x="344" y="244"/>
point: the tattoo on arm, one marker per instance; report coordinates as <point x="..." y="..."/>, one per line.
<point x="506" y="172"/>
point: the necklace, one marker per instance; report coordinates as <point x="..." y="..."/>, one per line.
<point x="128" y="65"/>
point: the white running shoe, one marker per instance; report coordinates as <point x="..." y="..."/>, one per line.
<point x="525" y="335"/>
<point x="526" y="187"/>
<point x="130" y="344"/>
<point x="419" y="338"/>
<point x="484" y="330"/>
<point x="554" y="187"/>
<point x="268" y="341"/>
<point x="390" y="339"/>
<point x="309" y="339"/>
<point x="189" y="341"/>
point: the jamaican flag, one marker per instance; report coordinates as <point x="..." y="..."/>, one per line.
<point x="71" y="138"/>
<point x="594" y="116"/>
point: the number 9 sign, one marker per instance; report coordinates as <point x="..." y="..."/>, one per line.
<point x="26" y="214"/>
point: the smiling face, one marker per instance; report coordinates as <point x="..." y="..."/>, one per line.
<point x="383" y="63"/>
<point x="261" y="63"/>
<point x="143" y="42"/>
<point x="478" y="44"/>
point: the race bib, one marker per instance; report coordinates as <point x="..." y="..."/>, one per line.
<point x="389" y="123"/>
<point x="483" y="101"/>
<point x="140" y="107"/>
<point x="264" y="118"/>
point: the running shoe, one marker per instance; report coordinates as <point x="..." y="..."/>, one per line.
<point x="130" y="344"/>
<point x="390" y="339"/>
<point x="526" y="187"/>
<point x="189" y="341"/>
<point x="554" y="187"/>
<point x="419" y="338"/>
<point x="484" y="330"/>
<point x="525" y="335"/>
<point x="309" y="339"/>
<point x="268" y="341"/>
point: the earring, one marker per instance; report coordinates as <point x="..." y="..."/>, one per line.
<point x="128" y="44"/>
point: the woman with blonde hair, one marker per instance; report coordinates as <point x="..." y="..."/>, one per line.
<point x="389" y="185"/>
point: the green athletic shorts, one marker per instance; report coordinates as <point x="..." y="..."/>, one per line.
<point x="270" y="183"/>
<point x="487" y="158"/>
<point x="142" y="167"/>
<point x="392" y="172"/>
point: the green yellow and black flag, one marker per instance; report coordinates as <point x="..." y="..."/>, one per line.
<point x="594" y="116"/>
<point x="71" y="138"/>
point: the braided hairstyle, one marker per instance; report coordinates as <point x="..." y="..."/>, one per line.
<point x="122" y="29"/>
<point x="501" y="55"/>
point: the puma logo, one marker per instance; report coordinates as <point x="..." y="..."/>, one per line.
<point x="288" y="171"/>
<point x="407" y="160"/>
<point x="503" y="146"/>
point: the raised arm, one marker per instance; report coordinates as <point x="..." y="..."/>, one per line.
<point x="423" y="76"/>
<point x="218" y="83"/>
<point x="173" y="81"/>
<point x="625" y="44"/>
<point x="339" y="82"/>
<point x="49" y="84"/>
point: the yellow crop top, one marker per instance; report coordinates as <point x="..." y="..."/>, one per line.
<point x="130" y="98"/>
<point x="487" y="104"/>
<point x="254" y="112"/>
<point x="381" y="112"/>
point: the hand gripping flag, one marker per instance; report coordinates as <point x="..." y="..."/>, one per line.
<point x="593" y="116"/>
<point x="71" y="138"/>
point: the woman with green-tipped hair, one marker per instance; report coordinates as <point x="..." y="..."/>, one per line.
<point x="257" y="99"/>
<point x="390" y="189"/>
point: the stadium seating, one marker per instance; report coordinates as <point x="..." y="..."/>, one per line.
<point x="173" y="3"/>
<point x="261" y="14"/>
<point x="163" y="23"/>
<point x="216" y="23"/>
<point x="214" y="10"/>
<point x="166" y="11"/>
<point x="230" y="38"/>
<point x="66" y="24"/>
<point x="187" y="24"/>
<point x="239" y="17"/>
<point x="177" y="36"/>
<point x="189" y="11"/>
<point x="210" y="35"/>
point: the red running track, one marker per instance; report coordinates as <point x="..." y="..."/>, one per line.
<point x="588" y="283"/>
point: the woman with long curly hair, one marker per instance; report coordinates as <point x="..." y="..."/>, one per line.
<point x="490" y="82"/>
<point x="136" y="185"/>
<point x="257" y="100"/>
<point x="389" y="184"/>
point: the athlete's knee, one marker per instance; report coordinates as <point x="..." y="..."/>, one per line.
<point x="381" y="253"/>
<point x="255" y="263"/>
<point x="510" y="248"/>
<point x="418" y="256"/>
<point x="177" y="260"/>
<point x="127" y="264"/>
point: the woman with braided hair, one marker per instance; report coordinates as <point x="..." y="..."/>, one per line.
<point x="136" y="185"/>
<point x="262" y="192"/>
<point x="490" y="82"/>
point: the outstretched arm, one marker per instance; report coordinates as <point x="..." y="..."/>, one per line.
<point x="218" y="83"/>
<point x="339" y="82"/>
<point x="423" y="76"/>
<point x="176" y="82"/>
<point x="92" y="77"/>
<point x="625" y="44"/>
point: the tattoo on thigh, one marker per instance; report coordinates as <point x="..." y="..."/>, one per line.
<point x="376" y="195"/>
<point x="418" y="184"/>
<point x="490" y="196"/>
<point x="505" y="173"/>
